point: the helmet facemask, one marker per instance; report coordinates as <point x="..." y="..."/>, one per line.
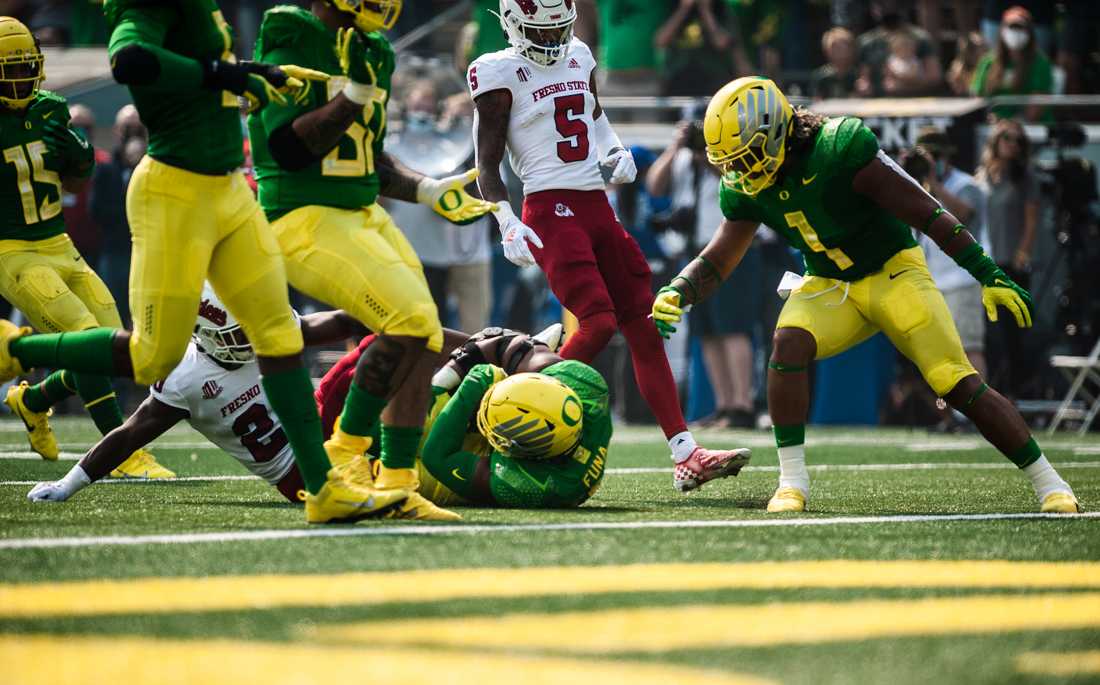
<point x="746" y="129"/>
<point x="21" y="70"/>
<point x="371" y="15"/>
<point x="219" y="335"/>
<point x="542" y="42"/>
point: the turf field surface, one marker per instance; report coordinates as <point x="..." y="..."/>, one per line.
<point x="921" y="559"/>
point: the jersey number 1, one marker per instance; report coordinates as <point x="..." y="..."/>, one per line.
<point x="32" y="212"/>
<point x="798" y="221"/>
<point x="567" y="110"/>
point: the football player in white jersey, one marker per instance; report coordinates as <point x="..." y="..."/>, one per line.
<point x="216" y="388"/>
<point x="538" y="100"/>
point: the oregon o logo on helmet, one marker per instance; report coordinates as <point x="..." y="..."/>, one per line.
<point x="571" y="411"/>
<point x="457" y="200"/>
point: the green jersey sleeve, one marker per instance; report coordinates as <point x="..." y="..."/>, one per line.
<point x="449" y="429"/>
<point x="854" y="145"/>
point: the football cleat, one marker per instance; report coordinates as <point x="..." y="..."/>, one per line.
<point x="39" y="432"/>
<point x="9" y="365"/>
<point x="339" y="501"/>
<point x="416" y="507"/>
<point x="787" y="499"/>
<point x="705" y="465"/>
<point x="1060" y="503"/>
<point x="141" y="464"/>
<point x="347" y="453"/>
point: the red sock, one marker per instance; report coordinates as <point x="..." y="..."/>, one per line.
<point x="589" y="340"/>
<point x="654" y="375"/>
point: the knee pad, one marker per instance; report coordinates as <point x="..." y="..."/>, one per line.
<point x="52" y="311"/>
<point x="134" y="65"/>
<point x="151" y="362"/>
<point x="419" y="321"/>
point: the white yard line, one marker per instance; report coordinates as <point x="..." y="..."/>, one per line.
<point x="415" y="530"/>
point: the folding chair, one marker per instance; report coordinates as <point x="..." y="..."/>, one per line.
<point x="1080" y="371"/>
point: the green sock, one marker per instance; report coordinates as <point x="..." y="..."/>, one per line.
<point x="100" y="401"/>
<point x="399" y="445"/>
<point x="789" y="436"/>
<point x="361" y="411"/>
<point x="1026" y="455"/>
<point x="57" y="386"/>
<point x="87" y="351"/>
<point x="290" y="394"/>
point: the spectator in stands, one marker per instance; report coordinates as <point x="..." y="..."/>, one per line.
<point x="960" y="194"/>
<point x="1012" y="217"/>
<point x="455" y="258"/>
<point x="1041" y="11"/>
<point x="108" y="205"/>
<point x="725" y="321"/>
<point x="1016" y="66"/>
<point x="701" y="48"/>
<point x="49" y="21"/>
<point x="896" y="58"/>
<point x="79" y="222"/>
<point x="628" y="59"/>
<point x="968" y="52"/>
<point x="837" y="77"/>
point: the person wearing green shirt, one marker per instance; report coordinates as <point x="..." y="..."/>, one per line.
<point x="1017" y="66"/>
<point x="826" y="187"/>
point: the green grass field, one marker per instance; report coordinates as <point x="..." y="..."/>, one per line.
<point x="920" y="561"/>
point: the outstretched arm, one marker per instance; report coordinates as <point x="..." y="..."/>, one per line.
<point x="323" y="328"/>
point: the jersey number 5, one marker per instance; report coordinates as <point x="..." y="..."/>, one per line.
<point x="32" y="212"/>
<point x="575" y="146"/>
<point x="252" y="426"/>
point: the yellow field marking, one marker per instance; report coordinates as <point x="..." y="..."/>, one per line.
<point x="663" y="629"/>
<point x="172" y="595"/>
<point x="1062" y="664"/>
<point x="45" y="660"/>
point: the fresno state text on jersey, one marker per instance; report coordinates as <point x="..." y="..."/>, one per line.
<point x="551" y="133"/>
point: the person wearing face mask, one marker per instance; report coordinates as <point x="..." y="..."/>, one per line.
<point x="897" y="59"/>
<point x="1016" y="66"/>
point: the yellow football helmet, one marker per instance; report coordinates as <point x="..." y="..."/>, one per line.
<point x="371" y="15"/>
<point x="21" y="70"/>
<point x="531" y="416"/>
<point x="745" y="129"/>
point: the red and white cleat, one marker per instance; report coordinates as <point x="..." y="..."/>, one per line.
<point x="704" y="465"/>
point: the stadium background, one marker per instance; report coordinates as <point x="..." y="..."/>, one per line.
<point x="660" y="60"/>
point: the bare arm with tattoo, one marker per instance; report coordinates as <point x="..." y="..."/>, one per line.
<point x="321" y="129"/>
<point x="398" y="181"/>
<point x="698" y="280"/>
<point x="494" y="110"/>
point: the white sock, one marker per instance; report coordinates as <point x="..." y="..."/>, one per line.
<point x="792" y="469"/>
<point x="75" y="480"/>
<point x="1044" y="478"/>
<point x="682" y="445"/>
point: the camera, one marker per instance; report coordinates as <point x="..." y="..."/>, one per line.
<point x="696" y="142"/>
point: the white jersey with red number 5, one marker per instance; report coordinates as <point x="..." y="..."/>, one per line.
<point x="230" y="409"/>
<point x="551" y="139"/>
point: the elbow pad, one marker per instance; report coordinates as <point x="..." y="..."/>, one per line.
<point x="288" y="150"/>
<point x="134" y="65"/>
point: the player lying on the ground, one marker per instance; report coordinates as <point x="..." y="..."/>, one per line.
<point x="825" y="185"/>
<point x="41" y="273"/>
<point x="320" y="167"/>
<point x="217" y="389"/>
<point x="537" y="100"/>
<point x="541" y="434"/>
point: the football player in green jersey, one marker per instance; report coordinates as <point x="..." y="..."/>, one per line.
<point x="41" y="272"/>
<point x="320" y="166"/>
<point x="193" y="217"/>
<point x="825" y="185"/>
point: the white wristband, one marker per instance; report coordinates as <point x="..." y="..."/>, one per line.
<point x="606" y="138"/>
<point x="503" y="214"/>
<point x="358" y="93"/>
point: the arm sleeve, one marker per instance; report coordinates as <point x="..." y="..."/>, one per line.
<point x="483" y="76"/>
<point x="168" y="391"/>
<point x="143" y="29"/>
<point x="858" y="144"/>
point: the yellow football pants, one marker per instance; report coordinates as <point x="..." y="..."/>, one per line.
<point x="51" y="283"/>
<point x="901" y="300"/>
<point x="186" y="228"/>
<point x="358" y="260"/>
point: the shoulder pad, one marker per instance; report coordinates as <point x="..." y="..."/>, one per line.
<point x="287" y="25"/>
<point x="849" y="139"/>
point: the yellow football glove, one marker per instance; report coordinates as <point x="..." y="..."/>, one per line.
<point x="269" y="83"/>
<point x="1009" y="297"/>
<point x="448" y="197"/>
<point x="667" y="310"/>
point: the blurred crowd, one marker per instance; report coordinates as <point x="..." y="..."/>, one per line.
<point x="824" y="49"/>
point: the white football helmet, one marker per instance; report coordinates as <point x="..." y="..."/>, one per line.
<point x="539" y="30"/>
<point x="218" y="334"/>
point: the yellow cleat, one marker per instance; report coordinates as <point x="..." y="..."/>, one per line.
<point x="39" y="432"/>
<point x="787" y="499"/>
<point x="9" y="365"/>
<point x="342" y="502"/>
<point x="1060" y="503"/>
<point x="141" y="464"/>
<point x="347" y="453"/>
<point x="416" y="506"/>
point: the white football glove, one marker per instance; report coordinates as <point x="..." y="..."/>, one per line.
<point x="514" y="236"/>
<point x="621" y="163"/>
<point x="49" y="491"/>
